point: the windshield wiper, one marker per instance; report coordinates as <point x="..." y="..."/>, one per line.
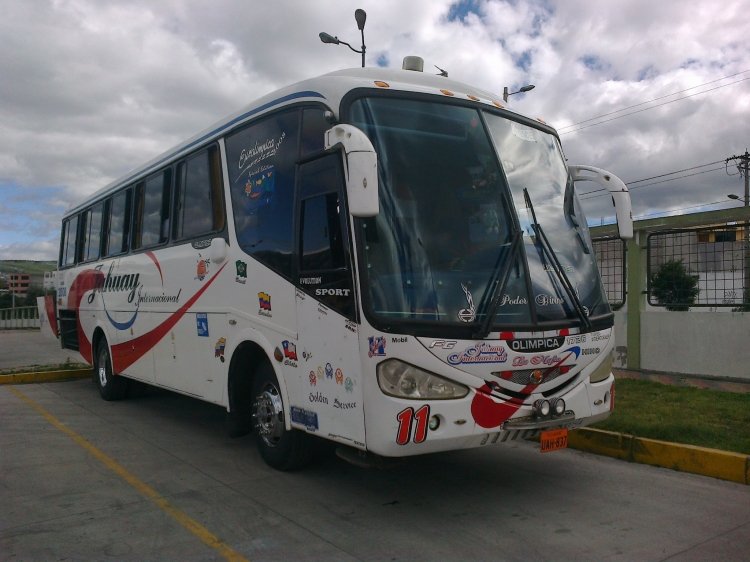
<point x="497" y="284"/>
<point x="557" y="266"/>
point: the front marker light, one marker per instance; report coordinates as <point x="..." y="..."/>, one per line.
<point x="402" y="380"/>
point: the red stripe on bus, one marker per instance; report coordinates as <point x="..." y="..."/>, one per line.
<point x="126" y="353"/>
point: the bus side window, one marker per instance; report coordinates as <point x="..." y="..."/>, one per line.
<point x="199" y="187"/>
<point x="69" y="242"/>
<point x="314" y="126"/>
<point x="118" y="224"/>
<point x="261" y="161"/>
<point x="92" y="232"/>
<point x="152" y="211"/>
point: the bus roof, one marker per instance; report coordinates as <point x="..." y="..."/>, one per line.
<point x="328" y="89"/>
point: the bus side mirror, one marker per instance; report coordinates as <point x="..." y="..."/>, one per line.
<point x="361" y="168"/>
<point x="617" y="189"/>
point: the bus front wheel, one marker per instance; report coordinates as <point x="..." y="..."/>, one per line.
<point x="110" y="387"/>
<point x="280" y="448"/>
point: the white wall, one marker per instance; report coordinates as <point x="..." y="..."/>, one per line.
<point x="711" y="343"/>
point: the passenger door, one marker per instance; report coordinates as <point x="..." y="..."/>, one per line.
<point x="329" y="384"/>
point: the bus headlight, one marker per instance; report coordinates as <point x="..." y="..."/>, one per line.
<point x="602" y="371"/>
<point x="402" y="380"/>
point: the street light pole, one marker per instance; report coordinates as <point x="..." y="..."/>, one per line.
<point x="507" y="93"/>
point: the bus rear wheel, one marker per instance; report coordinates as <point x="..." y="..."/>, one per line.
<point x="280" y="448"/>
<point x="110" y="386"/>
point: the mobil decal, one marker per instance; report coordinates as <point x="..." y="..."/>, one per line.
<point x="489" y="412"/>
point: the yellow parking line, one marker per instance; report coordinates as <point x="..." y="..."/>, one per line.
<point x="183" y="519"/>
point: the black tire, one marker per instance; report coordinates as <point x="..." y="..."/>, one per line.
<point x="280" y="448"/>
<point x="110" y="387"/>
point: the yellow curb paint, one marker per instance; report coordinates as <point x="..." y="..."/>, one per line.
<point x="182" y="518"/>
<point x="724" y="465"/>
<point x="45" y="376"/>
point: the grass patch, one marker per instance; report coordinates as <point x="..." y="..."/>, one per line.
<point x="691" y="416"/>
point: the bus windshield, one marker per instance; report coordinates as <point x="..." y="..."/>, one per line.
<point x="478" y="225"/>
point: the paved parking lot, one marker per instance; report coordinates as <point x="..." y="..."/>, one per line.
<point x="27" y="348"/>
<point x="155" y="478"/>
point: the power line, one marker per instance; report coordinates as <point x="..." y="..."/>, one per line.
<point x="652" y="107"/>
<point x="655" y="99"/>
<point x="657" y="182"/>
<point x="629" y="183"/>
<point x="680" y="209"/>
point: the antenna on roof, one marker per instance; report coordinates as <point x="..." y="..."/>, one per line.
<point x="442" y="72"/>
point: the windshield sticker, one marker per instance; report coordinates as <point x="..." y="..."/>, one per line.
<point x="470" y="313"/>
<point x="482" y="352"/>
<point x="260" y="151"/>
<point x="259" y="188"/>
<point x="522" y="132"/>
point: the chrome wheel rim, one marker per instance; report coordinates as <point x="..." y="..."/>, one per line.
<point x="268" y="415"/>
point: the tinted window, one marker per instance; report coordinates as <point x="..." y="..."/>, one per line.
<point x="152" y="217"/>
<point x="322" y="245"/>
<point x="119" y="223"/>
<point x="261" y="161"/>
<point x="70" y="236"/>
<point x="92" y="241"/>
<point x="200" y="208"/>
<point x="314" y="126"/>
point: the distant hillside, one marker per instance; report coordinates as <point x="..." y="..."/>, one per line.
<point x="27" y="266"/>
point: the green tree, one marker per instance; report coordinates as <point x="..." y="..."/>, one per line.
<point x="673" y="286"/>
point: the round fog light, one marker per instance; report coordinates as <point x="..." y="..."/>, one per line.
<point x="542" y="408"/>
<point x="558" y="407"/>
<point x="434" y="423"/>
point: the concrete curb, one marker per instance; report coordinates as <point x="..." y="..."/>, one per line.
<point x="45" y="376"/>
<point x="734" y="467"/>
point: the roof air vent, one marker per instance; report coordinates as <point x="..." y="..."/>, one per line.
<point x="413" y="63"/>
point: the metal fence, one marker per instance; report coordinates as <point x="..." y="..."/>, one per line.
<point x="702" y="267"/>
<point x="19" y="318"/>
<point x="610" y="256"/>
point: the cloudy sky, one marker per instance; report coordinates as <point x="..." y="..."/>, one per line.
<point x="90" y="89"/>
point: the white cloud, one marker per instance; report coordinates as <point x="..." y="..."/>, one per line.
<point x="92" y="89"/>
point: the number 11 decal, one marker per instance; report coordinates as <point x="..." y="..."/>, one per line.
<point x="405" y="418"/>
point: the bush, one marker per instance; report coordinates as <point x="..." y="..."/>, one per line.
<point x="673" y="286"/>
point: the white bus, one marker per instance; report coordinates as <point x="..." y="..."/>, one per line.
<point x="385" y="259"/>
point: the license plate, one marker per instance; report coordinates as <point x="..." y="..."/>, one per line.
<point x="553" y="440"/>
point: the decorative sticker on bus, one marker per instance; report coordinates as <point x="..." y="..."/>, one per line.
<point x="259" y="188"/>
<point x="408" y="420"/>
<point x="290" y="353"/>
<point x="377" y="346"/>
<point x="264" y="304"/>
<point x="201" y="323"/>
<point x="219" y="348"/>
<point x="241" y="276"/>
<point x="261" y="150"/>
<point x="201" y="268"/>
<point x="481" y="352"/>
<point x="488" y="412"/>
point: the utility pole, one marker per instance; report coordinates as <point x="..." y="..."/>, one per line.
<point x="743" y="165"/>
